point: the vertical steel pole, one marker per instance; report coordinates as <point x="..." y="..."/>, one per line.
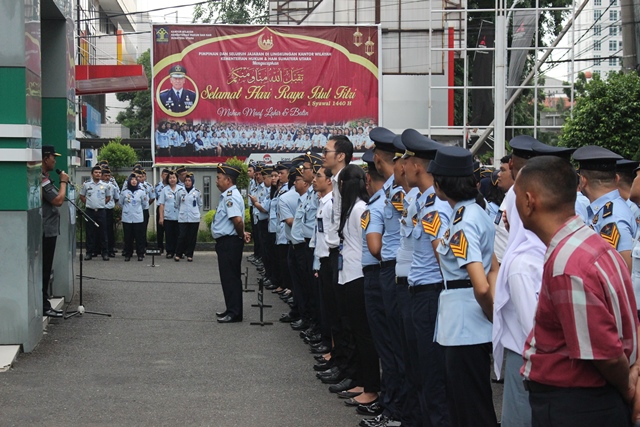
<point x="500" y="73"/>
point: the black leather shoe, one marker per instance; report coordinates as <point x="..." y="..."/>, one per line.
<point x="299" y="325"/>
<point x="229" y="319"/>
<point x="287" y="318"/>
<point x="345" y="394"/>
<point x="105" y="257"/>
<point x="316" y="345"/>
<point x="127" y="258"/>
<point x="140" y="258"/>
<point x="52" y="313"/>
<point x="220" y="314"/>
<point x="87" y="257"/>
<point x="344" y="385"/>
<point x="371" y="409"/>
<point x="328" y="372"/>
<point x="323" y="349"/>
<point x="333" y="379"/>
<point x="319" y="358"/>
<point x="322" y="366"/>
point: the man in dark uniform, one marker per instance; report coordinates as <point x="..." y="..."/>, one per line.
<point x="52" y="199"/>
<point x="177" y="99"/>
<point x="228" y="230"/>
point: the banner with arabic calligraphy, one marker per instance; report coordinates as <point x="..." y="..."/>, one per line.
<point x="238" y="90"/>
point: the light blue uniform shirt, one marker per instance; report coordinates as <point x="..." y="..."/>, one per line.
<point x="158" y="189"/>
<point x="189" y="204"/>
<point x="169" y="199"/>
<point x="469" y="238"/>
<point x="409" y="214"/>
<point x="230" y="205"/>
<point x="262" y="194"/>
<point x="96" y="194"/>
<point x="431" y="223"/>
<point x="611" y="217"/>
<point x="392" y="214"/>
<point x="635" y="210"/>
<point x="374" y="210"/>
<point x="310" y="207"/>
<point x="115" y="194"/>
<point x="297" y="228"/>
<point x="162" y="139"/>
<point x="133" y="203"/>
<point x="281" y="238"/>
<point x="581" y="206"/>
<point x="288" y="204"/>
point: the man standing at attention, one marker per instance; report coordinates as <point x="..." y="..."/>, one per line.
<point x="584" y="339"/>
<point x="228" y="230"/>
<point x="52" y="199"/>
<point x="95" y="194"/>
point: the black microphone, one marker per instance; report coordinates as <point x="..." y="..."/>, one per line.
<point x="59" y="171"/>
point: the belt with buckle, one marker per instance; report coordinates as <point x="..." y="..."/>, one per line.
<point x="390" y="263"/>
<point x="459" y="284"/>
<point x="431" y="287"/>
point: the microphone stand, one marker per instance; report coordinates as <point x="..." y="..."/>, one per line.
<point x="81" y="310"/>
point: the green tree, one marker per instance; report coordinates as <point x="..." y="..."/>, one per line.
<point x="243" y="180"/>
<point x="137" y="115"/>
<point x="232" y="12"/>
<point x="118" y="155"/>
<point x="606" y="114"/>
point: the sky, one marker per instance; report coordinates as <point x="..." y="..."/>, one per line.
<point x="182" y="14"/>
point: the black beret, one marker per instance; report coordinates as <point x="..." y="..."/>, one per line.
<point x="383" y="139"/>
<point x="419" y="145"/>
<point x="452" y="161"/>
<point x="228" y="169"/>
<point x="592" y="157"/>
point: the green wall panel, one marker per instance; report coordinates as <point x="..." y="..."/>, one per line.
<point x="54" y="128"/>
<point x="13" y="109"/>
<point x="18" y="198"/>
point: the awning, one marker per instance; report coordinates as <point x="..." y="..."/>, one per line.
<point x="98" y="79"/>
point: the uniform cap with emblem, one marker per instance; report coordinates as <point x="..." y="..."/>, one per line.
<point x="180" y="170"/>
<point x="165" y="170"/>
<point x="266" y="170"/>
<point x="399" y="148"/>
<point x="177" y="71"/>
<point x="49" y="149"/>
<point x="282" y="166"/>
<point x="521" y="146"/>
<point x="106" y="170"/>
<point x="227" y="169"/>
<point x="452" y="161"/>
<point x="367" y="157"/>
<point x="540" y="149"/>
<point x="383" y="139"/>
<point x="103" y="162"/>
<point x="419" y="145"/>
<point x="592" y="157"/>
<point x="314" y="159"/>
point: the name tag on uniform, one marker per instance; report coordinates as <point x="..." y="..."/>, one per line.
<point x="320" y="225"/>
<point x="498" y="218"/>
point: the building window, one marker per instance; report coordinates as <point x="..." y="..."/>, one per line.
<point x="597" y="2"/>
<point x="613" y="15"/>
<point x="596" y="72"/>
<point x="596" y="60"/>
<point x="597" y="30"/>
<point x="613" y="45"/>
<point x="613" y="62"/>
<point x="613" y="30"/>
<point x="596" y="15"/>
<point x="597" y="45"/>
<point x="206" y="193"/>
<point x="613" y="2"/>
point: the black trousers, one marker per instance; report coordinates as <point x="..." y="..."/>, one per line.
<point x="145" y="220"/>
<point x="188" y="235"/>
<point x="133" y="231"/>
<point x="270" y="259"/>
<point x="301" y="277"/>
<point x="48" y="251"/>
<point x="329" y="315"/>
<point x="111" y="234"/>
<point x="263" y="229"/>
<point x="584" y="407"/>
<point x="412" y="385"/>
<point x="171" y="231"/>
<point x="294" y="276"/>
<point x="229" y="251"/>
<point x="282" y="252"/>
<point x="343" y="351"/>
<point x="468" y="379"/>
<point x="159" y="230"/>
<point x="97" y="240"/>
<point x="368" y="366"/>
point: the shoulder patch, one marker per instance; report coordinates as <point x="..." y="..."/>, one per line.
<point x="230" y="192"/>
<point x="611" y="234"/>
<point x="431" y="200"/>
<point x="229" y="203"/>
<point x="431" y="223"/>
<point x="364" y="219"/>
<point x="415" y="219"/>
<point x="459" y="244"/>
<point x="459" y="214"/>
<point x="398" y="201"/>
<point x="608" y="210"/>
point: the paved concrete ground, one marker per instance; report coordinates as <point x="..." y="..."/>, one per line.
<point x="162" y="360"/>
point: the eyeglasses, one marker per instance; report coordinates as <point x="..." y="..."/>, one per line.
<point x="325" y="151"/>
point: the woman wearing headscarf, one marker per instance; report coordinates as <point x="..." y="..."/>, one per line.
<point x="168" y="212"/>
<point x="189" y="202"/>
<point x="133" y="200"/>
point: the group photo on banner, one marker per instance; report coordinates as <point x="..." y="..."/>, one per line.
<point x="225" y="90"/>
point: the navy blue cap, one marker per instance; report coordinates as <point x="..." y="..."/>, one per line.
<point x="625" y="165"/>
<point x="383" y="139"/>
<point x="180" y="170"/>
<point x="49" y="149"/>
<point x="592" y="157"/>
<point x="399" y="147"/>
<point x="266" y="170"/>
<point x="540" y="149"/>
<point x="521" y="146"/>
<point x="314" y="159"/>
<point x="452" y="161"/>
<point x="165" y="170"/>
<point x="228" y="169"/>
<point x="367" y="157"/>
<point x="418" y="145"/>
<point x="177" y="71"/>
<point x="282" y="166"/>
